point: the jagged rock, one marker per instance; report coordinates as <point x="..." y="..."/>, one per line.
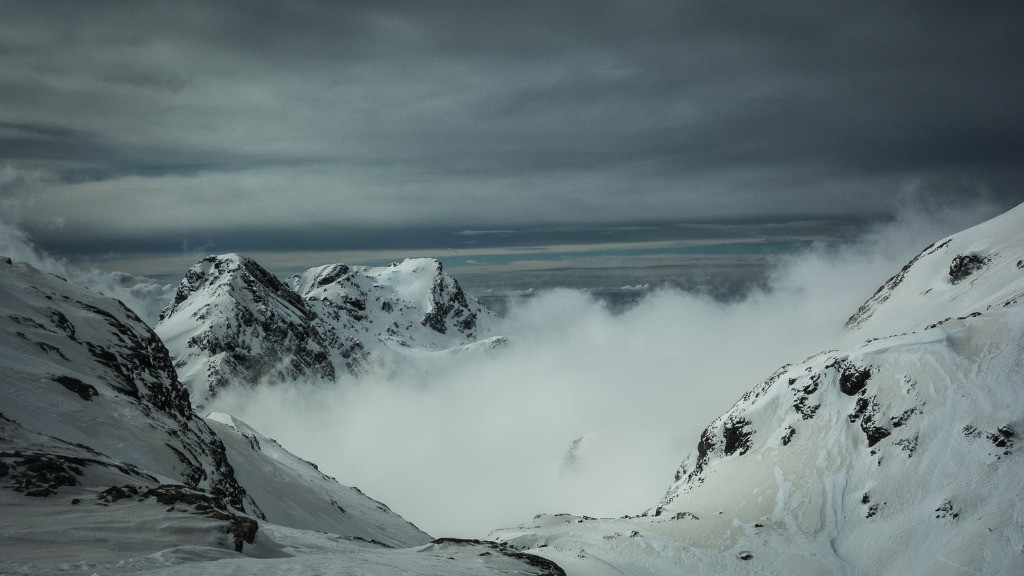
<point x="40" y="475"/>
<point x="83" y="390"/>
<point x="787" y="437"/>
<point x="946" y="510"/>
<point x="737" y="434"/>
<point x="231" y="321"/>
<point x="964" y="265"/>
<point x="852" y="378"/>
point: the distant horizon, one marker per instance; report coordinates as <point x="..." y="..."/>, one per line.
<point x="726" y="261"/>
<point x="460" y="248"/>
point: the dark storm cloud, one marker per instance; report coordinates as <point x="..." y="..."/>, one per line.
<point x="153" y="121"/>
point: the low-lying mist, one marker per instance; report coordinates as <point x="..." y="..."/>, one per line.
<point x="464" y="443"/>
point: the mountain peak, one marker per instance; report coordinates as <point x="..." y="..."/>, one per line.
<point x="414" y="303"/>
<point x="233" y="321"/>
<point x="896" y="456"/>
<point x="236" y="275"/>
<point x="104" y="461"/>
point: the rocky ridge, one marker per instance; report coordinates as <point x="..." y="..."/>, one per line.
<point x="73" y="358"/>
<point x="231" y="321"/>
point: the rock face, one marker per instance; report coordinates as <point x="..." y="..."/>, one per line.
<point x="964" y="265"/>
<point x="233" y="322"/>
<point x="72" y="361"/>
<point x="898" y="456"/>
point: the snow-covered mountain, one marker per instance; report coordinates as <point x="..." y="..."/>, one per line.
<point x="898" y="456"/>
<point x="106" y="468"/>
<point x="414" y="303"/>
<point x="232" y="321"/>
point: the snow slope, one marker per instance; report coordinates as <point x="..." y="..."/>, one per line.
<point x="294" y="493"/>
<point x="133" y="536"/>
<point x="898" y="456"/>
<point x="233" y="322"/>
<point x="971" y="271"/>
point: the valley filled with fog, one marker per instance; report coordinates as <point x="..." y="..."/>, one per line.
<point x="462" y="443"/>
<point x="799" y="419"/>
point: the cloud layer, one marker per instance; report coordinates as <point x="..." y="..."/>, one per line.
<point x="147" y="123"/>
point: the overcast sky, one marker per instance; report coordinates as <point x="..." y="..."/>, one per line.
<point x="171" y="127"/>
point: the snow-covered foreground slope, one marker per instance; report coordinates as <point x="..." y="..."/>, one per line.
<point x="231" y="321"/>
<point x="106" y="468"/>
<point x="293" y="492"/>
<point x="898" y="456"/>
<point x="132" y="536"/>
